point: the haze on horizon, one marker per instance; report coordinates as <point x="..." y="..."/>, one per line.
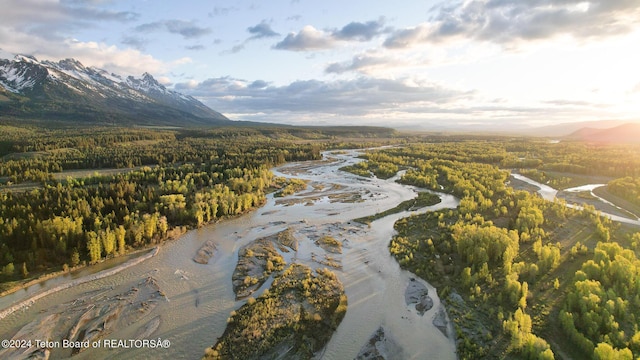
<point x="493" y="63"/>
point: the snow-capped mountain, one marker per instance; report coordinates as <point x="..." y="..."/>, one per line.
<point x="67" y="90"/>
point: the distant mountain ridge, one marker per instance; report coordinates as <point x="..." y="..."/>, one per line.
<point x="568" y="128"/>
<point x="625" y="133"/>
<point x="67" y="90"/>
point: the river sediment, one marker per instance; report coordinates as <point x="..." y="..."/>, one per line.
<point x="194" y="300"/>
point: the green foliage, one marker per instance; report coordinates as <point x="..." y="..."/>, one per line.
<point x="500" y="247"/>
<point x="478" y="245"/>
<point x="605" y="351"/>
<point x="360" y="169"/>
<point x="289" y="186"/>
<point x="299" y="312"/>
<point x="191" y="179"/>
<point x="604" y="301"/>
<point x="422" y="200"/>
<point x="256" y="262"/>
<point x="627" y="187"/>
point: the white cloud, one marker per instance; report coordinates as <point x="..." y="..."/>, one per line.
<point x="511" y="21"/>
<point x="52" y="18"/>
<point x="164" y="80"/>
<point x="182" y="61"/>
<point x="372" y="63"/>
<point x="309" y="38"/>
<point x="41" y="27"/>
<point x="358" y="98"/>
<point x="186" y="29"/>
<point x="121" y="61"/>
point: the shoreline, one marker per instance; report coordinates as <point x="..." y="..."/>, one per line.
<point x="99" y="275"/>
<point x="45" y="276"/>
<point x="178" y="232"/>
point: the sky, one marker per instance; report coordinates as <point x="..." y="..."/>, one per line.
<point x="490" y="63"/>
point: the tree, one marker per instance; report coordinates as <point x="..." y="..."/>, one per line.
<point x="94" y="247"/>
<point x="75" y="257"/>
<point x="120" y="234"/>
<point x="605" y="351"/>
<point x="25" y="272"/>
<point x="108" y="241"/>
<point x="9" y="269"/>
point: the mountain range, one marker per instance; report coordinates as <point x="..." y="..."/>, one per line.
<point x="625" y="133"/>
<point x="68" y="91"/>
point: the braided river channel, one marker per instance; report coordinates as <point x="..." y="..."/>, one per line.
<point x="184" y="305"/>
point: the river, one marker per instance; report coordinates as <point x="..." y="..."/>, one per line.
<point x="550" y="194"/>
<point x="196" y="299"/>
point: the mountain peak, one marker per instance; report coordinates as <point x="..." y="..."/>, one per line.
<point x="147" y="83"/>
<point x="25" y="58"/>
<point x="71" y="64"/>
<point x="149" y="79"/>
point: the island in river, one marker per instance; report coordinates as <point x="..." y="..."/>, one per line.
<point x="293" y="319"/>
<point x="198" y="298"/>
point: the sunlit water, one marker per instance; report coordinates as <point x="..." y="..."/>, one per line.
<point x="549" y="193"/>
<point x="200" y="297"/>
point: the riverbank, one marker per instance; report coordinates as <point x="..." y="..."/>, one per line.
<point x="89" y="269"/>
<point x="103" y="274"/>
<point x="55" y="274"/>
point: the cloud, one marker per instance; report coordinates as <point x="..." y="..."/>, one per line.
<point x="377" y="101"/>
<point x="92" y="2"/>
<point x="407" y="37"/>
<point x="222" y="11"/>
<point x="109" y="57"/>
<point x="360" y="31"/>
<point x="182" y="61"/>
<point x="309" y="38"/>
<point x="511" y="21"/>
<point x="52" y="19"/>
<point x="164" y="80"/>
<point x="195" y="47"/>
<point x="565" y="102"/>
<point x="121" y="61"/>
<point x="135" y="42"/>
<point x="357" y="97"/>
<point x="187" y="29"/>
<point x="262" y="30"/>
<point x="42" y="28"/>
<point x="363" y="63"/>
<point x="236" y="48"/>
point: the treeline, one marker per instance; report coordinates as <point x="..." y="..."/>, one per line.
<point x="614" y="160"/>
<point x="507" y="252"/>
<point x="181" y="182"/>
<point x="228" y="153"/>
<point x="73" y="221"/>
<point x="627" y="187"/>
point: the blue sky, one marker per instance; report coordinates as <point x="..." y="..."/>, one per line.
<point x="497" y="63"/>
